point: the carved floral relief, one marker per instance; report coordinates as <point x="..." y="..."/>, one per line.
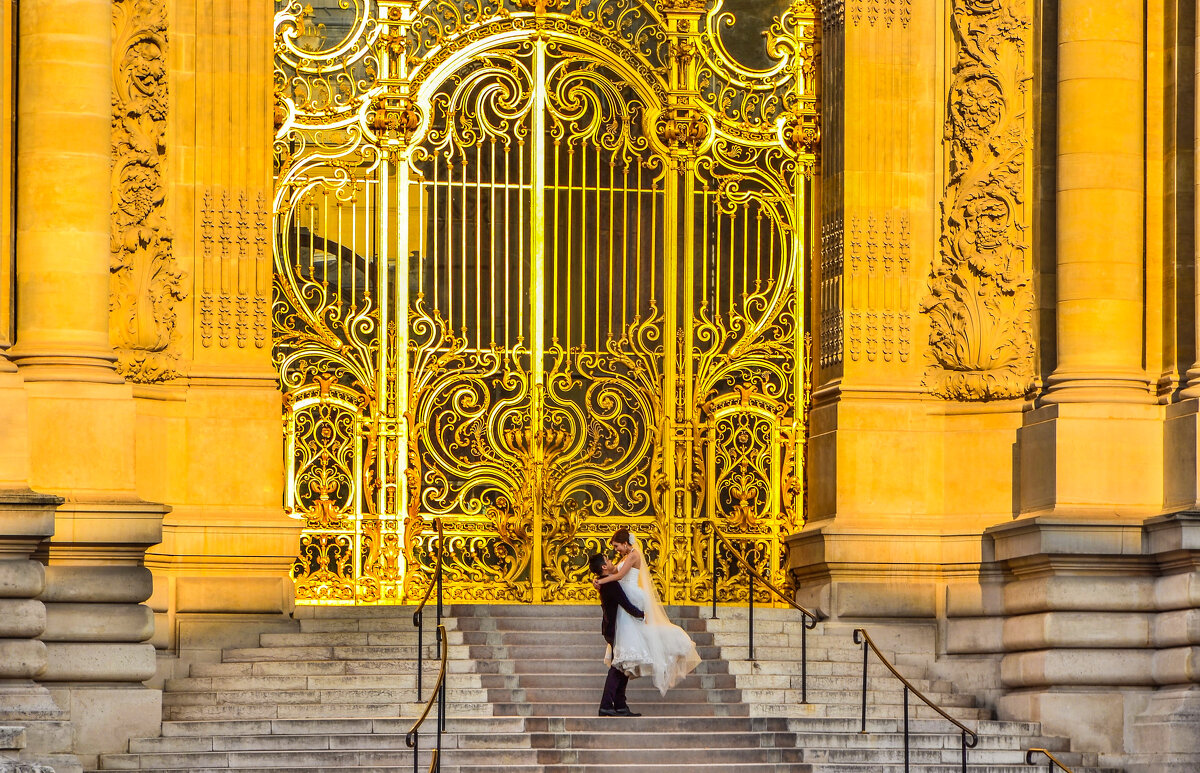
<point x="980" y="300"/>
<point x="146" y="283"/>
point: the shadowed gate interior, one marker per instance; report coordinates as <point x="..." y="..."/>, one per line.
<point x="540" y="274"/>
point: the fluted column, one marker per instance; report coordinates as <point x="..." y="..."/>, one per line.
<point x="1100" y="203"/>
<point x="1192" y="388"/>
<point x="81" y="413"/>
<point x="63" y="200"/>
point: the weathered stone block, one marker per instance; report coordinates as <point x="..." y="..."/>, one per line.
<point x="21" y="618"/>
<point x="98" y="622"/>
<point x="1076" y="630"/>
<point x="98" y="662"/>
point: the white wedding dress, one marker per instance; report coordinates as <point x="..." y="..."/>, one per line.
<point x="656" y="647"/>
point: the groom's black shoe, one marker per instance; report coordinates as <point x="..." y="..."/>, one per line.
<point x="608" y="713"/>
<point x="626" y="712"/>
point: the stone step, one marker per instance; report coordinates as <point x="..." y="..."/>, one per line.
<point x="377" y="695"/>
<point x="591" y="680"/>
<point x="313" y="711"/>
<point x="642" y="689"/>
<point x="348" y="726"/>
<point x="317" y="682"/>
<point x="562" y="639"/>
<point x="381" y="667"/>
<point x="258" y="654"/>
<point x="666" y="708"/>
<point x="358" y="638"/>
<point x="530" y="652"/>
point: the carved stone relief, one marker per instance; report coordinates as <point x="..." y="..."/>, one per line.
<point x="883" y="13"/>
<point x="980" y="300"/>
<point x="234" y="266"/>
<point x="832" y="269"/>
<point x="146" y="283"/>
<point x="879" y="323"/>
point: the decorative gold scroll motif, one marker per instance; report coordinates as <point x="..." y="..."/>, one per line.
<point x="539" y="275"/>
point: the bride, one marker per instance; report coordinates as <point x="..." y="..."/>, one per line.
<point x="656" y="647"/>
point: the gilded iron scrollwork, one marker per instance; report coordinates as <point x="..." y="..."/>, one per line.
<point x="539" y="276"/>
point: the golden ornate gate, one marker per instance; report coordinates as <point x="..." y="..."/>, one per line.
<point x="540" y="274"/>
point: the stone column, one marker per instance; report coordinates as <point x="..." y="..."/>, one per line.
<point x="1099" y="395"/>
<point x="81" y="414"/>
<point x="64" y="142"/>
<point x="1192" y="388"/>
<point x="1100" y="203"/>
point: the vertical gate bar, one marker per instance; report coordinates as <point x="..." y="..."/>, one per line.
<point x="537" y="300"/>
<point x="906" y="730"/>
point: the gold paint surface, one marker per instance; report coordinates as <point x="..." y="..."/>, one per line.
<point x="539" y="275"/>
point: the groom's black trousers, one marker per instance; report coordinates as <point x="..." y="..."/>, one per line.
<point x="614" y="690"/>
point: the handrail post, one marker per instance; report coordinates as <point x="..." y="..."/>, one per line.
<point x="419" y="621"/>
<point x="713" y="559"/>
<point x="441" y="723"/>
<point x="864" y="681"/>
<point x="416" y="747"/>
<point x="905" y="730"/>
<point x="804" y="659"/>
<point x="750" y="645"/>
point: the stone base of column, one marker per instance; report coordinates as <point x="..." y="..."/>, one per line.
<point x="98" y="655"/>
<point x="1181" y="454"/>
<point x="1095" y="719"/>
<point x="1169" y="721"/>
<point x="26" y="520"/>
<point x="1091" y="460"/>
<point x="105" y="717"/>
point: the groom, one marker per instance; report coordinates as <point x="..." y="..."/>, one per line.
<point x="612" y="596"/>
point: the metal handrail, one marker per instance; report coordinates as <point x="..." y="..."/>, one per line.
<point x="412" y="738"/>
<point x="863" y="638"/>
<point x="809" y="618"/>
<point x="1049" y="765"/>
<point x="418" y="618"/>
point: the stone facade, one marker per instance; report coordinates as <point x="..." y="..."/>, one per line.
<point x="1005" y="427"/>
<point x="1024" y="483"/>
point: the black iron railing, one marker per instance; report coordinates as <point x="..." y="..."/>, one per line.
<point x="1051" y="761"/>
<point x="419" y="614"/>
<point x="968" y="736"/>
<point x="809" y="619"/>
<point x="413" y="737"/>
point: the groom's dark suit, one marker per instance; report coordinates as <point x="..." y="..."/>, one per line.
<point x="612" y="596"/>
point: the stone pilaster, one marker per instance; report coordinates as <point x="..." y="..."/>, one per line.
<point x="211" y="444"/>
<point x="924" y="348"/>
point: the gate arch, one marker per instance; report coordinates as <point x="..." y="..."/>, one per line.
<point x="541" y="244"/>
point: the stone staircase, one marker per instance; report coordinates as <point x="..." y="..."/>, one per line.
<point x="523" y="687"/>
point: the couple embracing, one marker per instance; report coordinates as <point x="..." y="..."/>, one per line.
<point x="641" y="640"/>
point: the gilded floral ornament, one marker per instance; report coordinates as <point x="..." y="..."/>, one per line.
<point x="146" y="283"/>
<point x="980" y="301"/>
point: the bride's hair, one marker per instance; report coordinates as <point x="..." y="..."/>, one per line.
<point x="621" y="537"/>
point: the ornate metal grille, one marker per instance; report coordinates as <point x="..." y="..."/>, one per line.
<point x="539" y="273"/>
